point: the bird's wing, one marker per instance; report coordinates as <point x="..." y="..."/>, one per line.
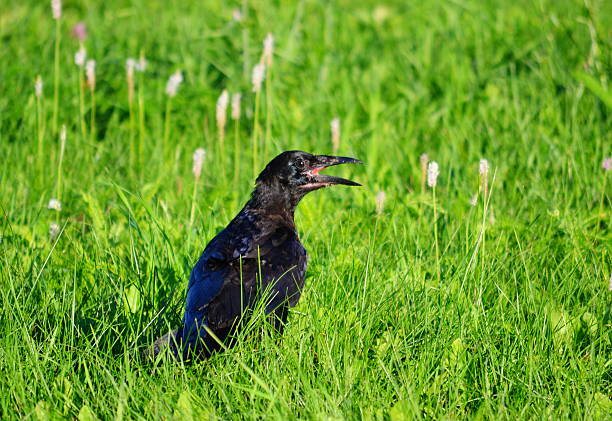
<point x="205" y="283"/>
<point x="281" y="261"/>
<point x="215" y="273"/>
<point x="287" y="274"/>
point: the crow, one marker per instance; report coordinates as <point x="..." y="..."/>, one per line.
<point x="258" y="256"/>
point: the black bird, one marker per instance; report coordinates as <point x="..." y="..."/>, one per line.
<point x="257" y="256"/>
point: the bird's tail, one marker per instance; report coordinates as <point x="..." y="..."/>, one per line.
<point x="186" y="343"/>
<point x="170" y="341"/>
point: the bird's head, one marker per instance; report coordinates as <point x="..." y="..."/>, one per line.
<point x="297" y="173"/>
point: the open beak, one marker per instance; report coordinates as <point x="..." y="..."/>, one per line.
<point x="323" y="161"/>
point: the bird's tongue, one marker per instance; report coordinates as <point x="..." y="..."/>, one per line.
<point x="316" y="170"/>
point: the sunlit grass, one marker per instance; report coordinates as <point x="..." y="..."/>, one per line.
<point x="405" y="314"/>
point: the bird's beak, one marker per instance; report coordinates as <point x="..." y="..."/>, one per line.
<point x="323" y="161"/>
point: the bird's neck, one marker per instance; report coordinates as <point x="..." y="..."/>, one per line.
<point x="275" y="200"/>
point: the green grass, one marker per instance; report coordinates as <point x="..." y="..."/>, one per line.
<point x="517" y="329"/>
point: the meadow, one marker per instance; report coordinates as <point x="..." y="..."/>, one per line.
<point x="488" y="296"/>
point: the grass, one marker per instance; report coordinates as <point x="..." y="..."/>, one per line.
<point x="520" y="329"/>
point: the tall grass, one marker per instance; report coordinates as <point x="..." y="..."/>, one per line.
<point x="258" y="75"/>
<point x="395" y="322"/>
<point x="79" y="59"/>
<point x="56" y="14"/>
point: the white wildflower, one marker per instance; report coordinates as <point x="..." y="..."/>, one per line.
<point x="130" y="66"/>
<point x="198" y="160"/>
<point x="268" y="49"/>
<point x="484" y="167"/>
<point x="141" y="64"/>
<point x="236" y="106"/>
<point x="55" y="205"/>
<point x="380" y="202"/>
<point x="432" y="174"/>
<point x="80" y="56"/>
<point x="474" y="200"/>
<point x="607" y="164"/>
<point x="54" y="231"/>
<point x="174" y="82"/>
<point x="424" y="158"/>
<point x="335" y="133"/>
<point x="483" y="170"/>
<point x="56" y="9"/>
<point x="222" y="103"/>
<point x="38" y="87"/>
<point x="63" y="135"/>
<point x="237" y="15"/>
<point x="90" y="70"/>
<point x="381" y="13"/>
<point x="258" y="76"/>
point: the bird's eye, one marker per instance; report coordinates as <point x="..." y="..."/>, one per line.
<point x="299" y="163"/>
